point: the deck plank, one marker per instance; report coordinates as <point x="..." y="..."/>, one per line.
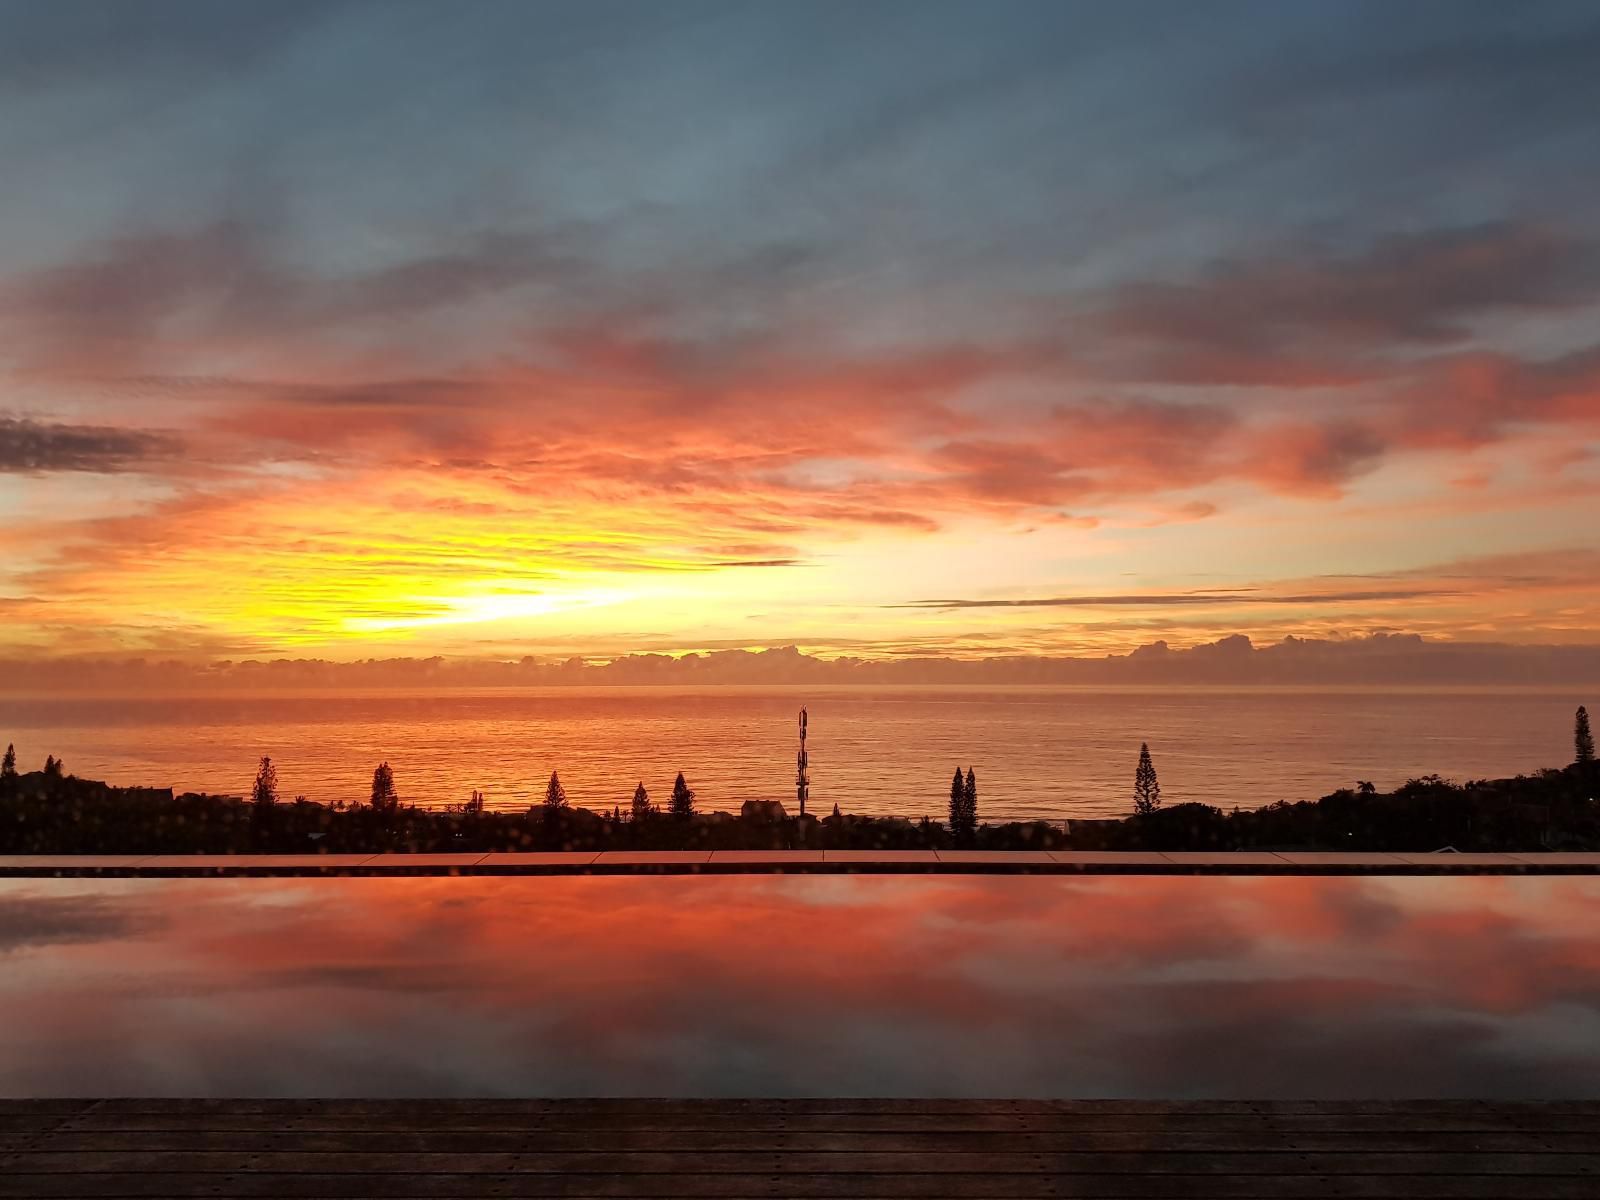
<point x="1058" y="1141"/>
<point x="344" y="1150"/>
<point x="1355" y="1160"/>
<point x="305" y="1186"/>
<point x="1559" y="1121"/>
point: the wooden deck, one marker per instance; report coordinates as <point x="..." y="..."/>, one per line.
<point x="798" y="1148"/>
<point x="815" y="862"/>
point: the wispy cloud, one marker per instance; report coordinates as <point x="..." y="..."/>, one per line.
<point x="1189" y="599"/>
<point x="34" y="447"/>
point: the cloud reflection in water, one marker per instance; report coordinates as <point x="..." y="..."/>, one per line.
<point x="786" y="986"/>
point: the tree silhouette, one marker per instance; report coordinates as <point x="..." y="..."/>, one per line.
<point x="8" y="764"/>
<point x="52" y="766"/>
<point x="682" y="798"/>
<point x="384" y="798"/>
<point x="1365" y="787"/>
<point x="641" y="803"/>
<point x="1582" y="739"/>
<point x="264" y="792"/>
<point x="555" y="796"/>
<point x="963" y="806"/>
<point x="1146" y="787"/>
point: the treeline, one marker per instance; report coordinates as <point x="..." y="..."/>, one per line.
<point x="59" y="814"/>
<point x="42" y="814"/>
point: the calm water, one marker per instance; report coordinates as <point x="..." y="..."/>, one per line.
<point x="795" y="986"/>
<point x="1038" y="752"/>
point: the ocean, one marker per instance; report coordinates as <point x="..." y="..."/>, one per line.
<point x="1038" y="752"/>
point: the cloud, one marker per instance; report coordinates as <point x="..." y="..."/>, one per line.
<point x="1379" y="659"/>
<point x="1500" y="73"/>
<point x="1472" y="399"/>
<point x="641" y="351"/>
<point x="159" y="298"/>
<point x="51" y="45"/>
<point x="1304" y="318"/>
<point x="31" y="447"/>
<point x="1303" y="457"/>
<point x="1188" y="599"/>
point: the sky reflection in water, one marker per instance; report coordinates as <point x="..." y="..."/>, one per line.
<point x="790" y="986"/>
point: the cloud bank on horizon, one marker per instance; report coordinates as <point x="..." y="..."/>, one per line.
<point x="346" y="329"/>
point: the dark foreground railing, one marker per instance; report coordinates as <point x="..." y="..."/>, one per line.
<point x="687" y="862"/>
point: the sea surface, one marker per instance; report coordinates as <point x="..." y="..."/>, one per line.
<point x="1038" y="752"/>
<point x="758" y="985"/>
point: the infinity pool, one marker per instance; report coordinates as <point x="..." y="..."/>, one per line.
<point x="949" y="986"/>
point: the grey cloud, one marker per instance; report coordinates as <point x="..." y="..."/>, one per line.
<point x="1416" y="288"/>
<point x="30" y="447"/>
<point x="53" y="44"/>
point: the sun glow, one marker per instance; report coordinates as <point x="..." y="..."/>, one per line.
<point x="489" y="606"/>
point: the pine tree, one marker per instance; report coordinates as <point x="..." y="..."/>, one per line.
<point x="555" y="796"/>
<point x="641" y="803"/>
<point x="384" y="798"/>
<point x="682" y="798"/>
<point x="52" y="766"/>
<point x="1582" y="739"/>
<point x="1146" y="787"/>
<point x="264" y="792"/>
<point x="8" y="764"/>
<point x="963" y="807"/>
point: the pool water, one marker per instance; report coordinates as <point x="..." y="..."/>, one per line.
<point x="949" y="986"/>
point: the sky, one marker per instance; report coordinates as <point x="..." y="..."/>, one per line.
<point x="360" y="328"/>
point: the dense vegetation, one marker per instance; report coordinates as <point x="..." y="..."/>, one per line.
<point x="52" y="812"/>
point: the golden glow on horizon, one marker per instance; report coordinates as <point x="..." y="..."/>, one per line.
<point x="470" y="608"/>
<point x="426" y="562"/>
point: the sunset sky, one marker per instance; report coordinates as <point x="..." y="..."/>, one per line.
<point x="354" y="328"/>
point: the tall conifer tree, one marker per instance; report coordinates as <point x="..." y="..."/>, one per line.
<point x="555" y="796"/>
<point x="384" y="798"/>
<point x="1146" y="787"/>
<point x="264" y="792"/>
<point x="1582" y="738"/>
<point x="682" y="798"/>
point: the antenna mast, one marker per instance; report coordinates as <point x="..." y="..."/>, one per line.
<point x="802" y="776"/>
